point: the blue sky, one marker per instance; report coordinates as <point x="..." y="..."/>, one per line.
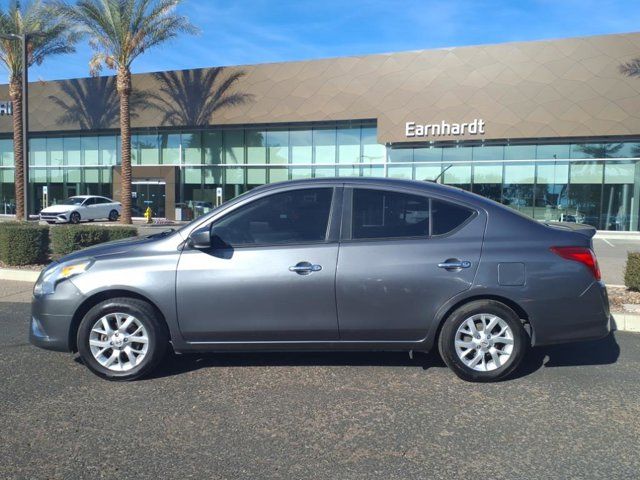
<point x="255" y="31"/>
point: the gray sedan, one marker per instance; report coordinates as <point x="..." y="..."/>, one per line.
<point x="330" y="264"/>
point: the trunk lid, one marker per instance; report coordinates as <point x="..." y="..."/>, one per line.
<point x="583" y="229"/>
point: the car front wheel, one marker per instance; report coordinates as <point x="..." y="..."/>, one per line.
<point x="122" y="339"/>
<point x="74" y="217"/>
<point x="483" y="341"/>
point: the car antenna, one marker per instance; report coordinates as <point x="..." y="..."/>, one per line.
<point x="435" y="180"/>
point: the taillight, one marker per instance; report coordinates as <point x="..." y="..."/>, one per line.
<point x="580" y="254"/>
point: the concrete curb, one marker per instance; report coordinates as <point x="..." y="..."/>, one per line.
<point x="627" y="322"/>
<point x="16" y="275"/>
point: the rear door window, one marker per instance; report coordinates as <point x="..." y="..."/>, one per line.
<point x="385" y="214"/>
<point x="388" y="214"/>
<point x="446" y="217"/>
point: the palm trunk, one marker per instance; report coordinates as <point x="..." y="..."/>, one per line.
<point x="124" y="91"/>
<point x="15" y="93"/>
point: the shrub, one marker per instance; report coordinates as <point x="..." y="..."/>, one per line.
<point x="69" y="238"/>
<point x="23" y="243"/>
<point x="632" y="272"/>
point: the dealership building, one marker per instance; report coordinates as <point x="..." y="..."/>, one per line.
<point x="550" y="128"/>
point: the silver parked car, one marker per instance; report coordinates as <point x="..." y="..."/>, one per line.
<point x="82" y="208"/>
<point x="330" y="264"/>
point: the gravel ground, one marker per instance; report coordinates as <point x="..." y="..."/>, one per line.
<point x="570" y="412"/>
<point x="618" y="297"/>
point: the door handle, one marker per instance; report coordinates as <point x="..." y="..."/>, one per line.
<point x="454" y="264"/>
<point x="305" y="268"/>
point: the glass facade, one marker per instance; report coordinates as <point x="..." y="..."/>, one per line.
<point x="590" y="182"/>
<point x="594" y="183"/>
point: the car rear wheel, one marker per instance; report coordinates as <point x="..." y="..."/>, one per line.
<point x="122" y="339"/>
<point x="74" y="217"/>
<point x="113" y="215"/>
<point x="483" y="341"/>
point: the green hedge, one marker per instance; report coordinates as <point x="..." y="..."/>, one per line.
<point x="632" y="272"/>
<point x="23" y="243"/>
<point x="69" y="238"/>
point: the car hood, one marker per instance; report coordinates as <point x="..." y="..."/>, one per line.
<point x="116" y="247"/>
<point x="57" y="209"/>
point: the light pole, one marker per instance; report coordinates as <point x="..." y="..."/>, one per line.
<point x="24" y="39"/>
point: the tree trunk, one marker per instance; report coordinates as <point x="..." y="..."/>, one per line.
<point x="124" y="91"/>
<point x="15" y="93"/>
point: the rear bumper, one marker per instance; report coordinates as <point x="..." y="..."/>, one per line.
<point x="52" y="318"/>
<point x="584" y="318"/>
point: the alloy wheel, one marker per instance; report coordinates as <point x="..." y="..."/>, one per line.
<point x="119" y="341"/>
<point x="484" y="342"/>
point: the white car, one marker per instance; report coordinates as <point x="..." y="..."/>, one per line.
<point x="81" y="208"/>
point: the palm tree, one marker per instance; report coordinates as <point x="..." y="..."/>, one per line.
<point x="53" y="37"/>
<point x="119" y="31"/>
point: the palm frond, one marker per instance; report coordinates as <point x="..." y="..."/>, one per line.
<point x="55" y="34"/>
<point x="124" y="29"/>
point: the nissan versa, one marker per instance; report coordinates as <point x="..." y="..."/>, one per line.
<point x="330" y="264"/>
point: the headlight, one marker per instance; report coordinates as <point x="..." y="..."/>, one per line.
<point x="57" y="272"/>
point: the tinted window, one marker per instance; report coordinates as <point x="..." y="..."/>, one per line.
<point x="380" y="214"/>
<point x="101" y="200"/>
<point x="73" y="201"/>
<point x="89" y="201"/>
<point x="446" y="217"/>
<point x="298" y="216"/>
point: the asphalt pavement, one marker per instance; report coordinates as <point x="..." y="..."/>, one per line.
<point x="570" y="412"/>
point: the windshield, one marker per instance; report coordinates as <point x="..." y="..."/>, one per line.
<point x="73" y="201"/>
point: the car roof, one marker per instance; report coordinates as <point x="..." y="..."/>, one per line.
<point x="427" y="186"/>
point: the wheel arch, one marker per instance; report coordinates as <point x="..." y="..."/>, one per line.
<point x="512" y="304"/>
<point x="98" y="297"/>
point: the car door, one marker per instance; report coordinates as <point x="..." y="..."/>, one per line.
<point x="270" y="274"/>
<point x="105" y="206"/>
<point x="403" y="255"/>
<point x="88" y="209"/>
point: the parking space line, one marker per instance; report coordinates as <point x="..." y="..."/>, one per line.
<point x="607" y="242"/>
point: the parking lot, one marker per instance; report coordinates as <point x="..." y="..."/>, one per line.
<point x="571" y="412"/>
<point x="612" y="256"/>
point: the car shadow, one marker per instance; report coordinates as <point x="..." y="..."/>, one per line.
<point x="598" y="352"/>
<point x="595" y="352"/>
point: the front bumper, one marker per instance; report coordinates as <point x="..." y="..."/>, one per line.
<point x="52" y="317"/>
<point x="54" y="217"/>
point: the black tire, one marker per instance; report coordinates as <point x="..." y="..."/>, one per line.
<point x="51" y="223"/>
<point x="74" y="218"/>
<point x="157" y="333"/>
<point x="113" y="215"/>
<point x="446" y="341"/>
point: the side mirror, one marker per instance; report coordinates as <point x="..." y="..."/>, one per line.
<point x="201" y="238"/>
